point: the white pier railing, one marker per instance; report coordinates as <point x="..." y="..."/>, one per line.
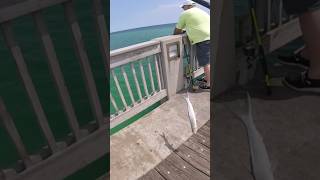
<point x="145" y="73"/>
<point x="58" y="158"/>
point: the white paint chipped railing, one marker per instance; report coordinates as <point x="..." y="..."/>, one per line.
<point x="137" y="68"/>
<point x="281" y="28"/>
<point x="87" y="144"/>
<point x="277" y="26"/>
<point x="143" y="74"/>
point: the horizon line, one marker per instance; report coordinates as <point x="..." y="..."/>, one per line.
<point x="140" y="27"/>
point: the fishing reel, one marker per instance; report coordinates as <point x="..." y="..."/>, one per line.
<point x="190" y="82"/>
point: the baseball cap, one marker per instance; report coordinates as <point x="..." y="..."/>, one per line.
<point x="188" y="3"/>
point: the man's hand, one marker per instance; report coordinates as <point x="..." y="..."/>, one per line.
<point x="178" y="31"/>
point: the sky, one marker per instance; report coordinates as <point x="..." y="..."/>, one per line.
<point x="129" y="14"/>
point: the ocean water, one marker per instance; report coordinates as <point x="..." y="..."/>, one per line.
<point x="126" y="38"/>
<point x="14" y="95"/>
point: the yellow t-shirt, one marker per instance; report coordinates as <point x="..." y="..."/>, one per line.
<point x="197" y="24"/>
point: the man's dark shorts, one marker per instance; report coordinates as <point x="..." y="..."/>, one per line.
<point x="203" y="52"/>
<point x="297" y="7"/>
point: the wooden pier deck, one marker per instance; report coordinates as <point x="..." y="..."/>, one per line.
<point x="190" y="161"/>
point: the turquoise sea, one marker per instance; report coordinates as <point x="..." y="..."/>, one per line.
<point x="129" y="37"/>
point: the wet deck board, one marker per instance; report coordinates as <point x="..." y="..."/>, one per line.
<point x="190" y="161"/>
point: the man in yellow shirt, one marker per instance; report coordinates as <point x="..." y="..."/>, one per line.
<point x="196" y="22"/>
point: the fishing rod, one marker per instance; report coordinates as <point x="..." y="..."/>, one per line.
<point x="203" y="3"/>
<point x="260" y="48"/>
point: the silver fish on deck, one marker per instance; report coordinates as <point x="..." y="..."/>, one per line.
<point x="260" y="162"/>
<point x="191" y="114"/>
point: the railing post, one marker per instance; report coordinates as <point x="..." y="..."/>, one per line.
<point x="224" y="61"/>
<point x="172" y="63"/>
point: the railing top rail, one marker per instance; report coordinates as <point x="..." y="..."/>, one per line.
<point x="17" y="9"/>
<point x="133" y="47"/>
<point x="152" y="42"/>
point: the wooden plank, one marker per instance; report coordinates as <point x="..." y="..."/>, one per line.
<point x="152" y="175"/>
<point x="136" y="80"/>
<point x="194" y="159"/>
<point x="14" y="134"/>
<point x="84" y="61"/>
<point x="25" y="7"/>
<point x="196" y="146"/>
<point x="119" y="89"/>
<point x="206" y="127"/>
<point x="202" y="139"/>
<point x="143" y="75"/>
<point x="205" y="131"/>
<point x="127" y="84"/>
<point x="175" y="168"/>
<point x="71" y="159"/>
<point x="57" y="74"/>
<point x="28" y="84"/>
<point x="102" y="32"/>
<point x="137" y="109"/>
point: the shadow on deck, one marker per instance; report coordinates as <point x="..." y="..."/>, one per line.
<point x="288" y="122"/>
<point x="144" y="145"/>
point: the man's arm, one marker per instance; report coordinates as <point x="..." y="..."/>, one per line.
<point x="178" y="31"/>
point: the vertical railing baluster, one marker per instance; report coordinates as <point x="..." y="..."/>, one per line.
<point x="114" y="103"/>
<point x="102" y="31"/>
<point x="143" y="79"/>
<point x="280" y="12"/>
<point x="84" y="61"/>
<point x="269" y="15"/>
<point x="157" y="67"/>
<point x="119" y="89"/>
<point x="151" y="76"/>
<point x="136" y="80"/>
<point x="127" y="84"/>
<point x="13" y="133"/>
<point x="28" y="84"/>
<point x="57" y="74"/>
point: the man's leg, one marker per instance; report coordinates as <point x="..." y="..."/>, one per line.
<point x="305" y="9"/>
<point x="309" y="81"/>
<point x="310" y="26"/>
<point x="203" y="56"/>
